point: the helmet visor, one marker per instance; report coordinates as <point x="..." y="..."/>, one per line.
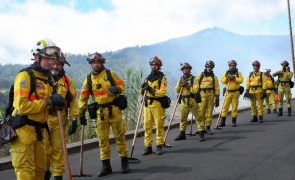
<point x="51" y="52"/>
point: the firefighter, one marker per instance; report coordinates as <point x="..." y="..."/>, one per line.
<point x="284" y="86"/>
<point x="105" y="87"/>
<point x="271" y="91"/>
<point x="155" y="86"/>
<point x="64" y="86"/>
<point x="187" y="98"/>
<point x="256" y="91"/>
<point x="32" y="99"/>
<point x="232" y="79"/>
<point x="208" y="87"/>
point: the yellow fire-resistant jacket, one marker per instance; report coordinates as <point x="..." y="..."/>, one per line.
<point x="65" y="84"/>
<point x="160" y="91"/>
<point x="35" y="107"/>
<point x="188" y="89"/>
<point x="255" y="82"/>
<point x="232" y="84"/>
<point x="270" y="84"/>
<point x="207" y="83"/>
<point x="100" y="87"/>
<point x="284" y="78"/>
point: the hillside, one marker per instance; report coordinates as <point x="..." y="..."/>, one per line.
<point x="213" y="43"/>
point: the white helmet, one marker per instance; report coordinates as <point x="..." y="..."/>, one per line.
<point x="46" y="48"/>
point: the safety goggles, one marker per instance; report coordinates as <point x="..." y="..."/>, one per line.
<point x="52" y="51"/>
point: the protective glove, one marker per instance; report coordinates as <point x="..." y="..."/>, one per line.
<point x="114" y="90"/>
<point x="83" y="121"/>
<point x="183" y="83"/>
<point x="147" y="87"/>
<point x="231" y="77"/>
<point x="73" y="127"/>
<point x="56" y="101"/>
<point x="247" y="95"/>
<point x="263" y="95"/>
<point x="216" y="101"/>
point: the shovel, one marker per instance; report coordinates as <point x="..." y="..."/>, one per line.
<point x="81" y="174"/>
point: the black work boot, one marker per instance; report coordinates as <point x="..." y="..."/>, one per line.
<point x="202" y="137"/>
<point x="47" y="175"/>
<point x="208" y="131"/>
<point x="125" y="165"/>
<point x="234" y="122"/>
<point x="147" y="150"/>
<point x="268" y="111"/>
<point x="159" y="150"/>
<point x="106" y="168"/>
<point x="57" y="177"/>
<point x="260" y="119"/>
<point x="289" y="111"/>
<point x="222" y="122"/>
<point x="274" y="111"/>
<point x="254" y="119"/>
<point x="280" y="112"/>
<point x="181" y="136"/>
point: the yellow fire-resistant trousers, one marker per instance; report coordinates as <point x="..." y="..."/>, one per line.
<point x="184" y="112"/>
<point x="206" y="110"/>
<point x="285" y="91"/>
<point x="28" y="155"/>
<point x="270" y="99"/>
<point x="231" y="98"/>
<point x="56" y="155"/>
<point x="257" y="109"/>
<point x="118" y="129"/>
<point x="151" y="115"/>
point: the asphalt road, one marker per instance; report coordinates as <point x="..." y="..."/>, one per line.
<point x="249" y="151"/>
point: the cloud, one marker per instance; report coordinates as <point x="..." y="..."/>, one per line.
<point x="117" y="24"/>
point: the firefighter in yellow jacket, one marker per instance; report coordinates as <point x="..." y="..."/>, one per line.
<point x="271" y="90"/>
<point x="32" y="97"/>
<point x="187" y="98"/>
<point x="232" y="79"/>
<point x="64" y="86"/>
<point x="256" y="92"/>
<point x="208" y="87"/>
<point x="155" y="86"/>
<point x="284" y="86"/>
<point x="104" y="86"/>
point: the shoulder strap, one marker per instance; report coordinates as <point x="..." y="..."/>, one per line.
<point x="261" y="74"/>
<point x="160" y="81"/>
<point x="33" y="82"/>
<point x="213" y="79"/>
<point x="110" y="78"/>
<point x="89" y="83"/>
<point x="192" y="80"/>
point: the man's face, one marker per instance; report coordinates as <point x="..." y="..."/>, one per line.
<point x="232" y="67"/>
<point x="186" y="71"/>
<point x="256" y="68"/>
<point x="46" y="63"/>
<point x="209" y="69"/>
<point x="96" y="65"/>
<point x="56" y="67"/>
<point x="155" y="67"/>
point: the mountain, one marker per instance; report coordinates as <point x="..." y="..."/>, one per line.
<point x="215" y="44"/>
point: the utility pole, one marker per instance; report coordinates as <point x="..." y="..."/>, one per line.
<point x="291" y="37"/>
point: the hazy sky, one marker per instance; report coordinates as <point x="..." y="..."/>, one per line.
<point x="83" y="26"/>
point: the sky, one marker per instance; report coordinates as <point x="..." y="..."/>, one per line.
<point x="85" y="26"/>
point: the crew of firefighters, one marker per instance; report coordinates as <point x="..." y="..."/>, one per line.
<point x="37" y="151"/>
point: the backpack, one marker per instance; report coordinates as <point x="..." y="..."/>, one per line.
<point x="120" y="100"/>
<point x="9" y="108"/>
